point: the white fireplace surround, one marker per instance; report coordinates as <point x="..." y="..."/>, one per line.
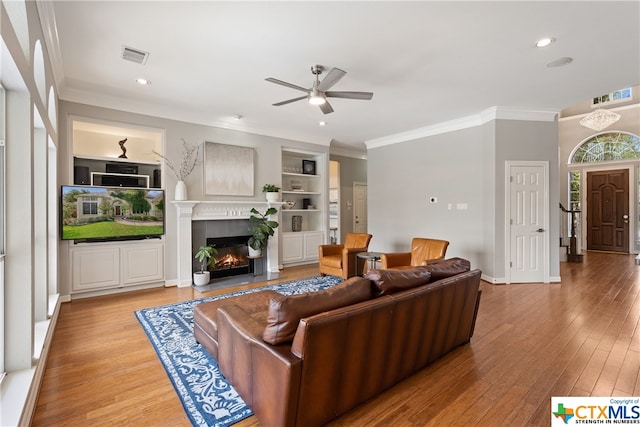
<point x="192" y="210"/>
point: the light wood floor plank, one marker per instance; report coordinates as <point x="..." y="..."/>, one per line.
<point x="532" y="341"/>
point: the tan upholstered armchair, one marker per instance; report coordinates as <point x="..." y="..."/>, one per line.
<point x="422" y="251"/>
<point x="341" y="260"/>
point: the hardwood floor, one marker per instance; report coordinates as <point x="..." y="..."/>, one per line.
<point x="580" y="337"/>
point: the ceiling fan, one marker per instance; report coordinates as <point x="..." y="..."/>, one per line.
<point x="319" y="92"/>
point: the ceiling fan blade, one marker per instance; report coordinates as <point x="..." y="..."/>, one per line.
<point x="292" y="86"/>
<point x="288" y="101"/>
<point x="326" y="108"/>
<point x="332" y="78"/>
<point x="349" y="95"/>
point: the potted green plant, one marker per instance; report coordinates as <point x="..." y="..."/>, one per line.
<point x="272" y="192"/>
<point x="204" y="255"/>
<point x="261" y="229"/>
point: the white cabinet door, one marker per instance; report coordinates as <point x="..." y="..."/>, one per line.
<point x="142" y="263"/>
<point x="292" y="247"/>
<point x="311" y="242"/>
<point x="95" y="268"/>
<point x="104" y="266"/>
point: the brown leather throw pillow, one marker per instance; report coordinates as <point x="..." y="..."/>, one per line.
<point x="285" y="312"/>
<point x="390" y="281"/>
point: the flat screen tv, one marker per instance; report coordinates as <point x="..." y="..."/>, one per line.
<point x="90" y="213"/>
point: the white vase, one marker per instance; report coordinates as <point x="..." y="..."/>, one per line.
<point x="254" y="253"/>
<point x="273" y="196"/>
<point x="181" y="191"/>
<point x="201" y="279"/>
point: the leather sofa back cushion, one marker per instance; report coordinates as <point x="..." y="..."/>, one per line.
<point x="285" y="312"/>
<point x="447" y="268"/>
<point x="390" y="281"/>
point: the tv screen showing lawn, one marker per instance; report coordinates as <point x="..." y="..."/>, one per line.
<point x="89" y="213"/>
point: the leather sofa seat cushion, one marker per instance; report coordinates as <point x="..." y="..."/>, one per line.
<point x="390" y="281"/>
<point x="256" y="303"/>
<point x="285" y="312"/>
<point x="447" y="268"/>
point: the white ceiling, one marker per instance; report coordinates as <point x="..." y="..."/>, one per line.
<point x="426" y="62"/>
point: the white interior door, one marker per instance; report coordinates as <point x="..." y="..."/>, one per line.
<point x="359" y="208"/>
<point x="528" y="222"/>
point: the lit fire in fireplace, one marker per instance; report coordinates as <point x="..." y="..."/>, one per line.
<point x="232" y="257"/>
<point x="229" y="261"/>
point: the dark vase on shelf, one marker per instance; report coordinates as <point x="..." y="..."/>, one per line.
<point x="296" y="223"/>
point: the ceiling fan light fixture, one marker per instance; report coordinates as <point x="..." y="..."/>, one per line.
<point x="316" y="99"/>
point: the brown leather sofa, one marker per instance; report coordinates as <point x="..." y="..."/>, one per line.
<point x="303" y="360"/>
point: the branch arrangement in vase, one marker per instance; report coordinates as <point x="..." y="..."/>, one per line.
<point x="189" y="160"/>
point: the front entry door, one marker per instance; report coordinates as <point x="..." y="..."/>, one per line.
<point x="608" y="210"/>
<point x="528" y="222"/>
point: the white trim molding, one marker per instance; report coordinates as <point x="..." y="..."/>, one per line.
<point x="490" y="114"/>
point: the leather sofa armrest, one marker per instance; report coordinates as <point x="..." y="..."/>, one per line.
<point x="266" y="376"/>
<point x="397" y="259"/>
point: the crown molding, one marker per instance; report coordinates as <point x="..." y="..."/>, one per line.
<point x="490" y="114"/>
<point x="346" y="152"/>
<point x="163" y="111"/>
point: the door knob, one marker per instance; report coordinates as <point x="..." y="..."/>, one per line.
<point x="540" y="230"/>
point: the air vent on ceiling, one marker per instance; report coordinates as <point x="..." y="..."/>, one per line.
<point x="135" y="55"/>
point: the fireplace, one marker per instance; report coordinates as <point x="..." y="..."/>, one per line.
<point x="232" y="258"/>
<point x="194" y="224"/>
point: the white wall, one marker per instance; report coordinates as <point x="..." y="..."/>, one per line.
<point x="403" y="177"/>
<point x="464" y="170"/>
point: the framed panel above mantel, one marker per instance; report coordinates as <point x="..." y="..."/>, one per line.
<point x="228" y="170"/>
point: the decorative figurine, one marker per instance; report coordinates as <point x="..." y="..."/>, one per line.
<point x="123" y="148"/>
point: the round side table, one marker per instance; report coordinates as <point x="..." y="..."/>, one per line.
<point x="373" y="257"/>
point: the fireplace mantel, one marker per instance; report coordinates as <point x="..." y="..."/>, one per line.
<point x="194" y="210"/>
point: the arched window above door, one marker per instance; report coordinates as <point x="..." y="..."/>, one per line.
<point x="607" y="146"/>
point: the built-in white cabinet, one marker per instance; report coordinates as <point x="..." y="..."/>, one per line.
<point x="301" y="247"/>
<point x="303" y="225"/>
<point x="112" y="265"/>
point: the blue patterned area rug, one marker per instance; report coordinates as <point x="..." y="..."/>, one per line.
<point x="206" y="396"/>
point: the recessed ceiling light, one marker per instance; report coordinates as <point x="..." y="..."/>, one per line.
<point x="322" y="123"/>
<point x="545" y="42"/>
<point x="143" y="81"/>
<point x="565" y="60"/>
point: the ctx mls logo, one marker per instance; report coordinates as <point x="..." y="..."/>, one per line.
<point x="565" y="414"/>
